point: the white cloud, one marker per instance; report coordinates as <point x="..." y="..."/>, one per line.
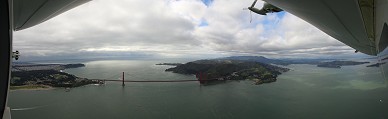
<point x="172" y="28"/>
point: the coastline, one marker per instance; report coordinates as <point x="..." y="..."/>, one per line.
<point x="46" y="77"/>
<point x="31" y="87"/>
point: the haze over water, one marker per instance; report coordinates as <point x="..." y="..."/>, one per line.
<point x="306" y="91"/>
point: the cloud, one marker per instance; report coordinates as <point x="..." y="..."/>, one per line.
<point x="173" y="28"/>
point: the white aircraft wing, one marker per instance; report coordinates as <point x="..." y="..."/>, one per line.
<point x="357" y="23"/>
<point x="27" y="13"/>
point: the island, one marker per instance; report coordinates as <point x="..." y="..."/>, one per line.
<point x="219" y="70"/>
<point x="338" y="64"/>
<point x="328" y="65"/>
<point x="32" y="76"/>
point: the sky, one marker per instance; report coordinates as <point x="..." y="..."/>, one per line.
<point x="175" y="29"/>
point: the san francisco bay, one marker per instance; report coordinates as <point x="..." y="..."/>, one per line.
<point x="306" y="91"/>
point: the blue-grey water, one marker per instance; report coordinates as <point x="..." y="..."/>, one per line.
<point x="305" y="92"/>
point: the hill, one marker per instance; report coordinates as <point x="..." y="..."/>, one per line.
<point x="222" y="70"/>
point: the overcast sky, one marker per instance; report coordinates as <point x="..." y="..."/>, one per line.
<point x="175" y="29"/>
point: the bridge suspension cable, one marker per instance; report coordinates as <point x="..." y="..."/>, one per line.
<point x="200" y="79"/>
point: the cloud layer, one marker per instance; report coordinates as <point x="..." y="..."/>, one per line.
<point x="169" y="28"/>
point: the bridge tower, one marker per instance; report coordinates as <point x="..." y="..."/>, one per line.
<point x="200" y="77"/>
<point x="123" y="80"/>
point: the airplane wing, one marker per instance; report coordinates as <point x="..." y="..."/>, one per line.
<point x="18" y="15"/>
<point x="357" y="23"/>
<point x="28" y="13"/>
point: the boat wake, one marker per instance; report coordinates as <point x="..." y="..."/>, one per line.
<point x="27" y="108"/>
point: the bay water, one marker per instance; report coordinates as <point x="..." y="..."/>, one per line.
<point x="305" y="92"/>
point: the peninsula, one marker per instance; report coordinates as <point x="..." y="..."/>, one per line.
<point x="31" y="76"/>
<point x="376" y="64"/>
<point x="170" y="64"/>
<point x="218" y="70"/>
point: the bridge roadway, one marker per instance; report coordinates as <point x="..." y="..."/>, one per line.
<point x="153" y="80"/>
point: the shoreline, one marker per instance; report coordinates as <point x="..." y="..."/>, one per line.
<point x="31" y="87"/>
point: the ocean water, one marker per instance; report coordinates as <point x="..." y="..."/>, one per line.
<point x="305" y="92"/>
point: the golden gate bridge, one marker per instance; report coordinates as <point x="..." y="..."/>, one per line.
<point x="201" y="78"/>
